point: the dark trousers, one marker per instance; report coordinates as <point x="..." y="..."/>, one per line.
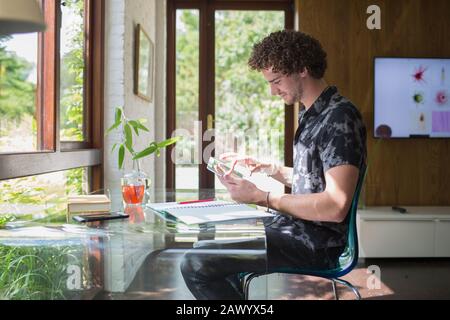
<point x="211" y="270"/>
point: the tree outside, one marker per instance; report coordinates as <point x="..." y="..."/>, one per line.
<point x="72" y="71"/>
<point x="247" y="119"/>
<point x="244" y="106"/>
<point x="17" y="97"/>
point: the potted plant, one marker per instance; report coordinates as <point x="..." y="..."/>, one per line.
<point x="134" y="183"/>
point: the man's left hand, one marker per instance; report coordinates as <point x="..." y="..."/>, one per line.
<point x="242" y="190"/>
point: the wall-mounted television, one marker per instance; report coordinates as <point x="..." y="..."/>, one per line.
<point x="411" y="98"/>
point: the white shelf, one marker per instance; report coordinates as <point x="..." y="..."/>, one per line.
<point x="421" y="232"/>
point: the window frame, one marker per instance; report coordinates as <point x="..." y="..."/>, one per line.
<point x="207" y="9"/>
<point x="54" y="155"/>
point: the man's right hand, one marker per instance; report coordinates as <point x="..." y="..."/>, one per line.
<point x="249" y="162"/>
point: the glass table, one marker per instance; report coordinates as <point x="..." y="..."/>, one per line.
<point x="134" y="258"/>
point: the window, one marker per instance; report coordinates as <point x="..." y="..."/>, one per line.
<point x="18" y="84"/>
<point x="213" y="100"/>
<point x="42" y="197"/>
<point x="72" y="75"/>
<point x="60" y="73"/>
<point x="187" y="96"/>
<point x="248" y="119"/>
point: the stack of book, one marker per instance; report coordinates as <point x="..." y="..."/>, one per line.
<point x="87" y="205"/>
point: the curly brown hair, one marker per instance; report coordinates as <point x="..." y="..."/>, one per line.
<point x="289" y="52"/>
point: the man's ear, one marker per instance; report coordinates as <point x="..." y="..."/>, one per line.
<point x="304" y="73"/>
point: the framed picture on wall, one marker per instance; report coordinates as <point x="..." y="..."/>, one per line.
<point x="144" y="64"/>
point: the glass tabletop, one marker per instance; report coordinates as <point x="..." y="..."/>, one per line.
<point x="134" y="258"/>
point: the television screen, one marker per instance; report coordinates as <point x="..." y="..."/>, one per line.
<point x="411" y="98"/>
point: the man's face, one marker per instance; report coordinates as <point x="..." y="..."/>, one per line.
<point x="289" y="88"/>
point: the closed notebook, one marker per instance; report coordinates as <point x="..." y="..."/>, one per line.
<point x="88" y="204"/>
<point x="211" y="211"/>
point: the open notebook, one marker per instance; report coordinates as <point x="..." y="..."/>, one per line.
<point x="211" y="211"/>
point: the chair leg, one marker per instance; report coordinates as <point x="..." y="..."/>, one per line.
<point x="348" y="285"/>
<point x="335" y="292"/>
<point x="246" y="283"/>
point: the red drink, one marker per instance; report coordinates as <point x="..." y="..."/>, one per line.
<point x="133" y="194"/>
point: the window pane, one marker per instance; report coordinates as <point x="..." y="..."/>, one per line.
<point x="72" y="70"/>
<point x="33" y="269"/>
<point x="41" y="267"/>
<point x="248" y="119"/>
<point x="187" y="98"/>
<point x="18" y="79"/>
<point x="42" y="197"/>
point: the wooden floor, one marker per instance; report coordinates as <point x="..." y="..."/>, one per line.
<point x="400" y="279"/>
<point x="394" y="279"/>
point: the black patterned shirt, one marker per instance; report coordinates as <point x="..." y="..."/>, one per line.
<point x="330" y="133"/>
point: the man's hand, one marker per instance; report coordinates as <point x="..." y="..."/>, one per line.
<point x="249" y="162"/>
<point x="243" y="191"/>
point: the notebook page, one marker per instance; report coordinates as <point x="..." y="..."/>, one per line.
<point x="214" y="211"/>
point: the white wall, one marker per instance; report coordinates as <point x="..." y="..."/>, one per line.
<point x="122" y="17"/>
<point x="139" y="12"/>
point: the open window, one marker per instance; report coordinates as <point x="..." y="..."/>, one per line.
<point x="51" y="94"/>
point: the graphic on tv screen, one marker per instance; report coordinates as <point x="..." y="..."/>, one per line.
<point x="411" y="98"/>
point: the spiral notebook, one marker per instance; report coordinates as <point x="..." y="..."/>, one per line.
<point x="211" y="211"/>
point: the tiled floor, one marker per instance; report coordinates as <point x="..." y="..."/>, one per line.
<point x="160" y="278"/>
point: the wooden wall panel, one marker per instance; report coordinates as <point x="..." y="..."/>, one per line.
<point x="402" y="172"/>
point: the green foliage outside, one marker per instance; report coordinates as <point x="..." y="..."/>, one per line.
<point x="187" y="78"/>
<point x="72" y="77"/>
<point x="17" y="94"/>
<point x="187" y="68"/>
<point x="39" y="192"/>
<point x="242" y="97"/>
<point x="4" y="219"/>
<point x="37" y="273"/>
<point x="243" y="102"/>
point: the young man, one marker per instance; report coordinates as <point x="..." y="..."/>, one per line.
<point x="310" y="230"/>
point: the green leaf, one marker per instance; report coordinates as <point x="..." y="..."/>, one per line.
<point x="5" y="219"/>
<point x="128" y="137"/>
<point x="141" y="126"/>
<point x="113" y="127"/>
<point x="168" y="142"/>
<point x="135" y="126"/>
<point x="121" y="155"/>
<point x="118" y="115"/>
<point x="146" y="152"/>
<point x="113" y="147"/>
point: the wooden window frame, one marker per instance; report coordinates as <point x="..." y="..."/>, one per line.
<point x="207" y="72"/>
<point x="55" y="155"/>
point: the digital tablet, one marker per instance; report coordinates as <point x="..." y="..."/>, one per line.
<point x="213" y="163"/>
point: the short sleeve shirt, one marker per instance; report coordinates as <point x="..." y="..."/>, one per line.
<point x="330" y="133"/>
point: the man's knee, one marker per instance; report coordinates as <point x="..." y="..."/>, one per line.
<point x="187" y="264"/>
<point x="200" y="265"/>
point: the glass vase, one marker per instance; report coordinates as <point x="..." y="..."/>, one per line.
<point x="134" y="185"/>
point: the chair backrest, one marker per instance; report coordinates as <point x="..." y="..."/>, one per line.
<point x="349" y="257"/>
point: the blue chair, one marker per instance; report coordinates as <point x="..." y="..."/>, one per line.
<point x="347" y="260"/>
